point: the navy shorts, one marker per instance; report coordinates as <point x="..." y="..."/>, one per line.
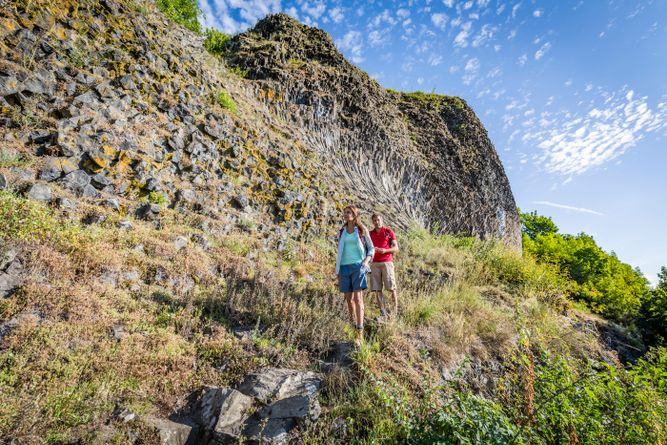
<point x="351" y="279"/>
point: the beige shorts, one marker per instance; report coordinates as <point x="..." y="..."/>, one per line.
<point x="383" y="273"/>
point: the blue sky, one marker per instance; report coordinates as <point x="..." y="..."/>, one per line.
<point x="573" y="94"/>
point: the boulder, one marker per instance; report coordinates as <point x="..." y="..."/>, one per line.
<point x="76" y="181"/>
<point x="222" y="412"/>
<point x="174" y="433"/>
<point x="275" y="383"/>
<point x="40" y="192"/>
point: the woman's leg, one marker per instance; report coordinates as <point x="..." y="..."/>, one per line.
<point x="358" y="303"/>
<point x="351" y="306"/>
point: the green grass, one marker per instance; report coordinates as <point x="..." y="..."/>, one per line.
<point x="225" y="101"/>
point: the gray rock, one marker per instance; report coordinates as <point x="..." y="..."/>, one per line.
<point x="88" y="98"/>
<point x="76" y="181"/>
<point x="118" y="332"/>
<point x="9" y="85"/>
<point x="291" y="407"/>
<point x="40" y="192"/>
<point x="186" y="195"/>
<point x="275" y="383"/>
<point x="3" y="182"/>
<point x="148" y="212"/>
<point x="127" y="83"/>
<point x="66" y="204"/>
<point x="125" y="225"/>
<point x="51" y="170"/>
<point x="18" y="320"/>
<point x="223" y="411"/>
<point x="180" y="242"/>
<point x="90" y="192"/>
<point x="271" y="432"/>
<point x="99" y="181"/>
<point x="112" y="203"/>
<point x="174" y="433"/>
<point x="41" y="136"/>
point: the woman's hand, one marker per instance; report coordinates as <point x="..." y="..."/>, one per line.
<point x="367" y="261"/>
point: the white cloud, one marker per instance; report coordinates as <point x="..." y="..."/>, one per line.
<point x="538" y="13"/>
<point x="471" y="69"/>
<point x="316" y="10"/>
<point x="403" y="13"/>
<point x="515" y="9"/>
<point x="573" y="143"/>
<point x="336" y="15"/>
<point x="467" y="5"/>
<point x="454" y="68"/>
<point x="542" y="51"/>
<point x="439" y="20"/>
<point x="485" y="34"/>
<point x="384" y="17"/>
<point x="420" y="80"/>
<point x="461" y="39"/>
<point x="434" y="60"/>
<point x="376" y="38"/>
<point x="568" y="207"/>
<point x="448" y="3"/>
<point x="351" y="43"/>
<point x="522" y="60"/>
<point x="217" y="13"/>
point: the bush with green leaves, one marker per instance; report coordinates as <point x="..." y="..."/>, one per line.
<point x="215" y="41"/>
<point x="653" y="318"/>
<point x="607" y="285"/>
<point x="226" y="101"/>
<point x="558" y="399"/>
<point x="183" y="12"/>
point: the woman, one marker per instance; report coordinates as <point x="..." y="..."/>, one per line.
<point x="355" y="252"/>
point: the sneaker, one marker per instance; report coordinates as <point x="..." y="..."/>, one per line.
<point x="381" y="319"/>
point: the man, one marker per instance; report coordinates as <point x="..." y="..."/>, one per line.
<point x="382" y="267"/>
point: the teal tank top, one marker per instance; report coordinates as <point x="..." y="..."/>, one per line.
<point x="351" y="251"/>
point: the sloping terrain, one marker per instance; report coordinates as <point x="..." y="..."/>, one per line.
<point x="166" y="250"/>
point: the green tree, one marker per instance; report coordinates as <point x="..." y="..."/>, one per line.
<point x="654" y="310"/>
<point x="183" y="12"/>
<point x="533" y="224"/>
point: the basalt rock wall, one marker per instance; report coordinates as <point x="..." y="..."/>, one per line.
<point x="108" y="103"/>
<point x="416" y="157"/>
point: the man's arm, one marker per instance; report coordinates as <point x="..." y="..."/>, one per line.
<point x="392" y="249"/>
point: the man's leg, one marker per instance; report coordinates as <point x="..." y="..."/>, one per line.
<point x="381" y="304"/>
<point x="389" y="281"/>
<point x="395" y="298"/>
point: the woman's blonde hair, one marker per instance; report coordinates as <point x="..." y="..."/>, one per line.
<point x="357" y="221"/>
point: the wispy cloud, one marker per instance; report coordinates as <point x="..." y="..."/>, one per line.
<point x="217" y="13"/>
<point x="574" y="143"/>
<point x="542" y="51"/>
<point x="568" y="207"/>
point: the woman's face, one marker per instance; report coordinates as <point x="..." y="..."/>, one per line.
<point x="348" y="215"/>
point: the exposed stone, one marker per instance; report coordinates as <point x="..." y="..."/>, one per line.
<point x="148" y="211"/>
<point x="51" y="170"/>
<point x="3" y="182"/>
<point x="125" y="225"/>
<point x="8" y="85"/>
<point x="66" y="204"/>
<point x="275" y="383"/>
<point x="76" y="181"/>
<point x="180" y="242"/>
<point x="112" y="203"/>
<point x="16" y="321"/>
<point x="40" y="192"/>
<point x="174" y="433"/>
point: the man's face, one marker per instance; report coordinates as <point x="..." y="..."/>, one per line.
<point x="377" y="222"/>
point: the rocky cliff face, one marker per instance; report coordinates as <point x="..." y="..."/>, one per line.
<point x="105" y="103"/>
<point x="417" y="157"/>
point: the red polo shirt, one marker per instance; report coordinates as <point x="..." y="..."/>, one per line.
<point x="382" y="239"/>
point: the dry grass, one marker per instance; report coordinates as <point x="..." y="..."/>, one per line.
<point x="63" y="372"/>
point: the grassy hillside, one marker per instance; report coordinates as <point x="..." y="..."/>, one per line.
<point x="485" y="344"/>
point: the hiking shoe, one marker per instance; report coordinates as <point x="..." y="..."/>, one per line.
<point x="382" y="319"/>
<point x="359" y="336"/>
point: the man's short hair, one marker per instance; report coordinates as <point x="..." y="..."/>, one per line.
<point x="376" y="215"/>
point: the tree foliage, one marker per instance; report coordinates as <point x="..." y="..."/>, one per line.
<point x="654" y="310"/>
<point x="183" y="12"/>
<point x="606" y="284"/>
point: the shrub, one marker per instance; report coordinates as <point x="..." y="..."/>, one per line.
<point x="226" y="102"/>
<point x="215" y="41"/>
<point x="183" y="12"/>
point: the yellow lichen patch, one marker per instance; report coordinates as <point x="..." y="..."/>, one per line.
<point x="7" y="26"/>
<point x="123" y="161"/>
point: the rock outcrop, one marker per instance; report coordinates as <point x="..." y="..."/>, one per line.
<point x="114" y="106"/>
<point x="417" y="157"/>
